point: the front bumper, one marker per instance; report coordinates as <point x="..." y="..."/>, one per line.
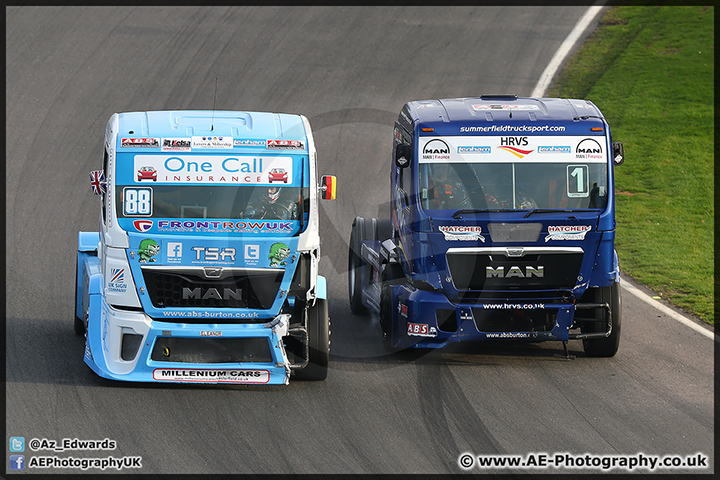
<point x="129" y="346"/>
<point x="427" y="319"/>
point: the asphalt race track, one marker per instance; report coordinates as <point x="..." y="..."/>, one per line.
<point x="349" y="70"/>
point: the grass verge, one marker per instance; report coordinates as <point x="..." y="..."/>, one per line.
<point x="650" y="69"/>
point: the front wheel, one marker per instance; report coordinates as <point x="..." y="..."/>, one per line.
<point x="386" y="315"/>
<point x="318" y="327"/>
<point x="356" y="267"/>
<point x="608" y="346"/>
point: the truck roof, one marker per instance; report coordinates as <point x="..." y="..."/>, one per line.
<point x="445" y="115"/>
<point x="239" y="126"/>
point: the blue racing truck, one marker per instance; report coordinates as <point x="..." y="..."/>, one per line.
<point x="205" y="268"/>
<point x="502" y="228"/>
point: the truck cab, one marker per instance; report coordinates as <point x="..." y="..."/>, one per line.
<point x="502" y="227"/>
<point x="203" y="270"/>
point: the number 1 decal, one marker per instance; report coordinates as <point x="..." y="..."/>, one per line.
<point x="137" y="201"/>
<point x="577" y="181"/>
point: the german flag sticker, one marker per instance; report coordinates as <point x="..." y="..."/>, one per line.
<point x="328" y="189"/>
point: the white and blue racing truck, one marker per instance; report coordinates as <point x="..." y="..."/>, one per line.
<point x="205" y="266"/>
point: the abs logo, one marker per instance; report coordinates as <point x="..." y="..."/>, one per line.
<point x="143" y="225"/>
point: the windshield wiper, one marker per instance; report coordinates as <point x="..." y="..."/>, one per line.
<point x="557" y="210"/>
<point x="460" y="213"/>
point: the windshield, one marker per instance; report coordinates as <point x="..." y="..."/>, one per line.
<point x="485" y="173"/>
<point x="199" y="201"/>
<point x="214" y="191"/>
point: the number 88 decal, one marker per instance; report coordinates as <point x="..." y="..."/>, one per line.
<point x="137" y="201"/>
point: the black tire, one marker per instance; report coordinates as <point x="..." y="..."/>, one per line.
<point x="356" y="266"/>
<point x="79" y="325"/>
<point x="318" y="328"/>
<point x="382" y="229"/>
<point x="386" y="312"/>
<point x="605" y="347"/>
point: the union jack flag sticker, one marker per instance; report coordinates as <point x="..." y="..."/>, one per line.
<point x="117" y="275"/>
<point x="97" y="181"/>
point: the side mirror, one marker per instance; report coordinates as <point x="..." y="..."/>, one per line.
<point x="328" y="187"/>
<point x="402" y="155"/>
<point x="97" y="182"/>
<point x="618" y="153"/>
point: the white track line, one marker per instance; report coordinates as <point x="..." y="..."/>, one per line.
<point x="562" y="52"/>
<point x="539" y="91"/>
<point x="626" y="287"/>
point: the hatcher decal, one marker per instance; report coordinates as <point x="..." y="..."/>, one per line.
<point x="213" y="169"/>
<point x="567" y="232"/>
<point x="461" y="233"/>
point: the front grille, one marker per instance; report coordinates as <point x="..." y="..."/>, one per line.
<point x="211" y="350"/>
<point x="230" y="288"/>
<point x="514" y="269"/>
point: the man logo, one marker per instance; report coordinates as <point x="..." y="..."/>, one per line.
<point x="499" y="272"/>
<point x="589" y="145"/>
<point x="211" y="294"/>
<point x="436" y="147"/>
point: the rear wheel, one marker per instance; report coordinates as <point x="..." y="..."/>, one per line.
<point x="318" y="327"/>
<point x="79" y="325"/>
<point x="608" y="346"/>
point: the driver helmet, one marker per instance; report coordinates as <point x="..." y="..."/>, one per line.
<point x="273" y="194"/>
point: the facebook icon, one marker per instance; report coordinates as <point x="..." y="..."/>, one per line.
<point x="174" y="251"/>
<point x="17" y="462"/>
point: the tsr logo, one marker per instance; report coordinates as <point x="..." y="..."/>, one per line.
<point x="214" y="253"/>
